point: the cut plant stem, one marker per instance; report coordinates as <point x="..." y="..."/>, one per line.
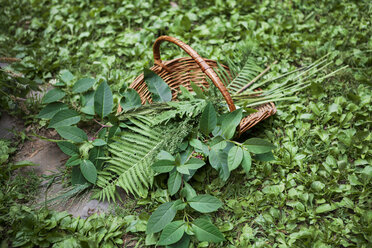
<point x="256" y="78"/>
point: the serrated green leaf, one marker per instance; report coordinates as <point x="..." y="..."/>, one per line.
<point x="265" y="157"/>
<point x="130" y="100"/>
<point x="53" y="96"/>
<point x="205" y="203"/>
<point x="156" y="85"/>
<point x="72" y="161"/>
<point x="258" y="146"/>
<point x="161" y="217"/>
<point x="182" y="243"/>
<point x="68" y="148"/>
<point x="206" y="231"/>
<point x="174" y="182"/>
<point x="172" y="233"/>
<point x="103" y="100"/>
<point x="163" y="166"/>
<point x="66" y="76"/>
<point x="191" y="164"/>
<point x="234" y="158"/>
<point x="208" y="119"/>
<point x="188" y="191"/>
<point x="66" y="117"/>
<point x="83" y="85"/>
<point x="88" y="170"/>
<point x="51" y="109"/>
<point x="74" y="134"/>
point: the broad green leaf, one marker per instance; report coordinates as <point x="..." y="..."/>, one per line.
<point x="230" y="123"/>
<point x="258" y="146"/>
<point x="199" y="92"/>
<point x="68" y="148"/>
<point x="188" y="191"/>
<point x="205" y="203"/>
<point x="161" y="217"/>
<point x="87" y="102"/>
<point x="66" y="76"/>
<point x="208" y="119"/>
<point x="51" y="109"/>
<point x="66" y="117"/>
<point x="77" y="177"/>
<point x="103" y="100"/>
<point x="192" y="164"/>
<point x="218" y="160"/>
<point x="95" y="154"/>
<point x="72" y="161"/>
<point x="184" y="242"/>
<point x="174" y="182"/>
<point x="156" y="85"/>
<point x="163" y="155"/>
<point x="88" y="170"/>
<point x="130" y="100"/>
<point x="99" y="142"/>
<point x="83" y="85"/>
<point x="172" y="233"/>
<point x="234" y="158"/>
<point x="183" y="170"/>
<point x="247" y="161"/>
<point x="53" y="96"/>
<point x="163" y="166"/>
<point x="72" y="133"/>
<point x="206" y="231"/>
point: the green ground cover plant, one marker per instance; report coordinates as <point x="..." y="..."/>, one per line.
<point x="317" y="190"/>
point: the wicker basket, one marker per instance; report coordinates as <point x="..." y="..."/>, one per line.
<point x="182" y="71"/>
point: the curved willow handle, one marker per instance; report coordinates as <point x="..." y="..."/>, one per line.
<point x="199" y="60"/>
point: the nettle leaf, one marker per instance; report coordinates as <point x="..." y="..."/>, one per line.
<point x="258" y="146"/>
<point x="172" y="233"/>
<point x="205" y="203"/>
<point x="88" y="170"/>
<point x="66" y="76"/>
<point x="53" y="96"/>
<point x="99" y="142"/>
<point x="76" y="176"/>
<point x="163" y="166"/>
<point x="188" y="191"/>
<point x="72" y="133"/>
<point x="131" y="99"/>
<point x="206" y="231"/>
<point x="163" y="155"/>
<point x="66" y="117"/>
<point x="174" y="182"/>
<point x="103" y="100"/>
<point x="72" y="161"/>
<point x="68" y="148"/>
<point x="230" y="122"/>
<point x="234" y="158"/>
<point x="161" y="217"/>
<point x="247" y="161"/>
<point x="156" y="85"/>
<point x="51" y="109"/>
<point x="191" y="164"/>
<point x="83" y="85"/>
<point x="208" y="119"/>
<point x="182" y="243"/>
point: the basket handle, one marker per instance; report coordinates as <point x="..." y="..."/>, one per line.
<point x="199" y="60"/>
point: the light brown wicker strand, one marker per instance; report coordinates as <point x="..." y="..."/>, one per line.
<point x="9" y="60"/>
<point x="199" y="60"/>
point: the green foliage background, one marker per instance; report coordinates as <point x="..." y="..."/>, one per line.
<point x="317" y="193"/>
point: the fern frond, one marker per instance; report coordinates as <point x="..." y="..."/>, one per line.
<point x="129" y="166"/>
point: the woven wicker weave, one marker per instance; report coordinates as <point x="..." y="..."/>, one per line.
<point x="182" y="71"/>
